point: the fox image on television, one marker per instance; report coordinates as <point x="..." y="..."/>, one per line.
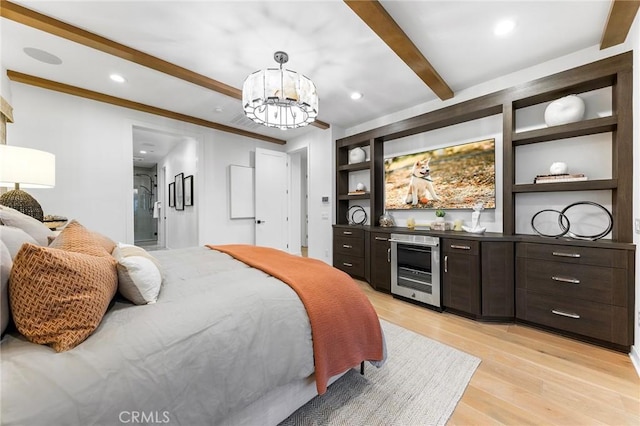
<point x="452" y="177"/>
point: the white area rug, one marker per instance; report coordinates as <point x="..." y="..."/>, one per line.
<point x="420" y="384"/>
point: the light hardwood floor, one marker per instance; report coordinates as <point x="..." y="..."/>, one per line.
<point x="526" y="376"/>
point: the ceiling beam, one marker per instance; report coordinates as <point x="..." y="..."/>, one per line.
<point x="58" y="28"/>
<point x="379" y="20"/>
<point x="621" y="16"/>
<point x="19" y="77"/>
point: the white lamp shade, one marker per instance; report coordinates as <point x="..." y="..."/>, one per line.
<point x="30" y="168"/>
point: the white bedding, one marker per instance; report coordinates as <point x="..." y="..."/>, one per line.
<point x="220" y="336"/>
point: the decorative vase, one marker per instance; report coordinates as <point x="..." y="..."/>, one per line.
<point x="386" y="220"/>
<point x="357" y="155"/>
<point x="558" y="168"/>
<point x="568" y="109"/>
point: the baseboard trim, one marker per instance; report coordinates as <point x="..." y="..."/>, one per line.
<point x="635" y="358"/>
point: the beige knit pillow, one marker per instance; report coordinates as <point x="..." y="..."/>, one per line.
<point x="5" y="269"/>
<point x="58" y="297"/>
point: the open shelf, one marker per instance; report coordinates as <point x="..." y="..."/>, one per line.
<point x="571" y="130"/>
<point x="354" y="197"/>
<point x="365" y="165"/>
<point x="586" y="185"/>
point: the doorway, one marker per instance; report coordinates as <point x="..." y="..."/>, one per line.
<point x="145" y="208"/>
<point x="158" y="155"/>
<point x="299" y="201"/>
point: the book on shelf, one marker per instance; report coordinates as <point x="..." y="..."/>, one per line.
<point x="564" y="177"/>
<point x="356" y="192"/>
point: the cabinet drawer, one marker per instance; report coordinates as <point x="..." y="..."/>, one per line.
<point x="571" y="254"/>
<point x="346" y="232"/>
<point x="461" y="246"/>
<point x="381" y="237"/>
<point x="597" y="320"/>
<point x="348" y="246"/>
<point x="594" y="283"/>
<point x="349" y="264"/>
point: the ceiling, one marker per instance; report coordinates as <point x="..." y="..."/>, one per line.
<point x="325" y="40"/>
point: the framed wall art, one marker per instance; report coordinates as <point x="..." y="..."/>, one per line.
<point x="188" y="191"/>
<point x="172" y="194"/>
<point x="179" y="181"/>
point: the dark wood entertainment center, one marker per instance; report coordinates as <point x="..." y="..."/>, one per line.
<point x="581" y="289"/>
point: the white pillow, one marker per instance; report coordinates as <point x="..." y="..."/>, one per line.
<point x="5" y="269"/>
<point x="139" y="274"/>
<point x="14" y="238"/>
<point x="31" y="226"/>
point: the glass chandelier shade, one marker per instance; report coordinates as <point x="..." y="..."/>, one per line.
<point x="280" y="98"/>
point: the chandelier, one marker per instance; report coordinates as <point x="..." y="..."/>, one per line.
<point x="280" y="98"/>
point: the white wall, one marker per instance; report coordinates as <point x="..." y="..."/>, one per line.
<point x="320" y="153"/>
<point x="92" y="145"/>
<point x="182" y="225"/>
<point x="219" y="152"/>
<point x="92" y="142"/>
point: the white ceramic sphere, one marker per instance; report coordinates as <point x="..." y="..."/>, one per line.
<point x="360" y="186"/>
<point x="357" y="155"/>
<point x="558" y="168"/>
<point x="568" y="109"/>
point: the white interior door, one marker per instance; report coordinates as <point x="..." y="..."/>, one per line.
<point x="271" y="199"/>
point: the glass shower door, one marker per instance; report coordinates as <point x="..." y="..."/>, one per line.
<point x="145" y="226"/>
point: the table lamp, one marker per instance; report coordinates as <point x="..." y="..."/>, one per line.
<point x="26" y="168"/>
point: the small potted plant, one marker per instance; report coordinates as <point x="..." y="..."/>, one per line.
<point x="440" y="215"/>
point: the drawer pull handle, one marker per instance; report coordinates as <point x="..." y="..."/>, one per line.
<point x="565" y="314"/>
<point x="446" y="263"/>
<point x="382" y="239"/>
<point x="347" y="246"/>
<point x="389" y="255"/>
<point x="566" y="280"/>
<point x="347" y="232"/>
<point x="561" y="254"/>
<point x="455" y="246"/>
<point x="349" y="265"/>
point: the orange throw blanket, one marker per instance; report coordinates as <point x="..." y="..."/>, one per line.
<point x="344" y="326"/>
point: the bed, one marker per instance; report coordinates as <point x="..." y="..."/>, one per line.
<point x="225" y="343"/>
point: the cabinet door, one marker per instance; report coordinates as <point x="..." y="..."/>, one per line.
<point x="497" y="280"/>
<point x="381" y="262"/>
<point x="461" y="277"/>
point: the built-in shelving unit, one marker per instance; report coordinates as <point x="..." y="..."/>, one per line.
<point x="596" y="303"/>
<point x="614" y="72"/>
<point x="344" y="169"/>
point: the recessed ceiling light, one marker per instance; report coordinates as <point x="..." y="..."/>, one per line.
<point x="356" y="96"/>
<point x="117" y="78"/>
<point x="504" y="27"/>
<point x="218" y="109"/>
<point x="42" y="56"/>
<point x="143" y="152"/>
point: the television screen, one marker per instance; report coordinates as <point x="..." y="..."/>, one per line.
<point x="454" y="177"/>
